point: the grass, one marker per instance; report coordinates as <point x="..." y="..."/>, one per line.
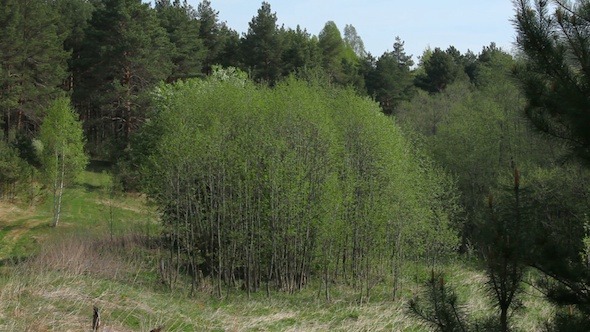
<point x="98" y="256"/>
<point x="88" y="207"/>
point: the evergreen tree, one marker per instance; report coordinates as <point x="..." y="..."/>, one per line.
<point x="261" y="46"/>
<point x="210" y="34"/>
<point x="440" y="70"/>
<point x="125" y="53"/>
<point x="229" y="54"/>
<point x="439" y="307"/>
<point x="504" y="243"/>
<point x="492" y="64"/>
<point x="556" y="70"/>
<point x="183" y="29"/>
<point x="554" y="75"/>
<point x="32" y="62"/>
<point x="300" y="51"/>
<point x="74" y="16"/>
<point x="392" y="81"/>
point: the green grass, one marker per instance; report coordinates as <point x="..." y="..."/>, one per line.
<point x="92" y="258"/>
<point x="89" y="206"/>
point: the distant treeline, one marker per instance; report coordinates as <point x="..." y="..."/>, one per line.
<point x="109" y="54"/>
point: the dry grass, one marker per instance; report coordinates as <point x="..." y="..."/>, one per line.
<point x="56" y="289"/>
<point x="60" y="296"/>
<point x="78" y="254"/>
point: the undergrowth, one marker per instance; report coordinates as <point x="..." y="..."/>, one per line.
<point x="105" y="254"/>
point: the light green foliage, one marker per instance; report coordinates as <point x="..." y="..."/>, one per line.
<point x="332" y="47"/>
<point x="289" y="183"/>
<point x="62" y="156"/>
<point x="339" y="60"/>
<point x="354" y="41"/>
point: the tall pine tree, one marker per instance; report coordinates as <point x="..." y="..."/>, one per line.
<point x="181" y="24"/>
<point x="125" y="54"/>
<point x="32" y="62"/>
<point x="261" y="46"/>
<point x="391" y="81"/>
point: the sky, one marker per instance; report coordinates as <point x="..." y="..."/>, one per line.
<point x="465" y="24"/>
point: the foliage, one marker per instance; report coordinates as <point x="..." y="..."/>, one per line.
<point x="32" y="63"/>
<point x="125" y="53"/>
<point x="300" y="51"/>
<point x="555" y="71"/>
<point x="391" y="81"/>
<point x="553" y="74"/>
<point x="560" y="196"/>
<point x="504" y="243"/>
<point x="276" y="186"/>
<point x="183" y="30"/>
<point x="354" y="41"/>
<point x="440" y="70"/>
<point x="440" y="308"/>
<point x="14" y="172"/>
<point x="63" y="156"/>
<point x="221" y="42"/>
<point x="262" y="47"/>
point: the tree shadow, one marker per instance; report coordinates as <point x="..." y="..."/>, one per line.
<point x="99" y="166"/>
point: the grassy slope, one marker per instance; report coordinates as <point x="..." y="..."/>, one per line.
<point x="78" y="265"/>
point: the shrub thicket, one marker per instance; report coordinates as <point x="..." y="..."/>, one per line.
<point x="271" y="187"/>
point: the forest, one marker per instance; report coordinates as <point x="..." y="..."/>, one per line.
<point x="278" y="162"/>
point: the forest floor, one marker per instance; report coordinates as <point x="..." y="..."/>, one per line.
<point x="50" y="279"/>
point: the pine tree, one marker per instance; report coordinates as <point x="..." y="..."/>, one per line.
<point x="74" y="16"/>
<point x="556" y="70"/>
<point x="440" y="70"/>
<point x="300" y="51"/>
<point x="209" y="33"/>
<point x="261" y="46"/>
<point x="504" y="245"/>
<point x="32" y="62"/>
<point x="183" y="30"/>
<point x="125" y="53"/>
<point x="391" y="81"/>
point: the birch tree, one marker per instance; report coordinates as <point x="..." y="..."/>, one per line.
<point x="63" y="154"/>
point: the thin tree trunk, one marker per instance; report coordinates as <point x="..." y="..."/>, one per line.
<point x="60" y="190"/>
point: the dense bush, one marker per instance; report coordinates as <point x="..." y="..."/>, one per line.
<point x="276" y="186"/>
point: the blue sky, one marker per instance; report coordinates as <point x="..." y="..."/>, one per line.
<point x="465" y="24"/>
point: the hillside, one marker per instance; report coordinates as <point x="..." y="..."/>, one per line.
<point x="50" y="279"/>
